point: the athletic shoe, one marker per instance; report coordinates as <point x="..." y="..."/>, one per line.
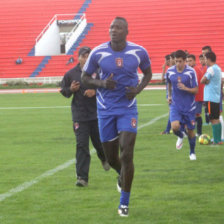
<point x="192" y="156"/>
<point x="81" y="183"/>
<point x="119" y="184"/>
<point x="105" y="165"/>
<point x="123" y="210"/>
<point x="179" y="143"/>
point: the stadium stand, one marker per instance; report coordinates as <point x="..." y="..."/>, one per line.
<point x="160" y="26"/>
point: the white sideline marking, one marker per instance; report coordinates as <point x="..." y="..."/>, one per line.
<point x="28" y="184"/>
<point x="59" y="107"/>
<point x="63" y="166"/>
<point x="153" y="121"/>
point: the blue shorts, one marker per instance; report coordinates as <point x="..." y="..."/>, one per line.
<point x="110" y="126"/>
<point x="198" y="107"/>
<point x="187" y="118"/>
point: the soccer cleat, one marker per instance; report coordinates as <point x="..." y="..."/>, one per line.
<point x="119" y="184"/>
<point x="123" y="210"/>
<point x="105" y="165"/>
<point x="81" y="183"/>
<point x="179" y="143"/>
<point x="192" y="156"/>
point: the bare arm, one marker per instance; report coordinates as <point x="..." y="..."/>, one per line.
<point x="169" y="99"/>
<point x="163" y="72"/>
<point x="108" y="83"/>
<point x="131" y="92"/>
<point x="204" y="80"/>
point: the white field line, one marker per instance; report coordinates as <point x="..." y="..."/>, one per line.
<point x="56" y="90"/>
<point x="62" y="107"/>
<point x="63" y="166"/>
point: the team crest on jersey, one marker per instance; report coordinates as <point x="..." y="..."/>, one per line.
<point x="76" y="125"/>
<point x="119" y="62"/>
<point x="133" y="122"/>
<point x="178" y="79"/>
<point x="93" y="76"/>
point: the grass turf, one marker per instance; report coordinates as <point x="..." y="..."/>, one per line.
<point x="167" y="187"/>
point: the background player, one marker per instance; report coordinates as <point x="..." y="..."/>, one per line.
<point x="84" y="118"/>
<point x="164" y="67"/>
<point x="212" y="94"/>
<point x="118" y="86"/>
<point x="191" y="61"/>
<point x="182" y="87"/>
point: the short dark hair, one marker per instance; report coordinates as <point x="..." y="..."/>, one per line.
<point x="122" y="19"/>
<point x="211" y="55"/>
<point x="180" y="54"/>
<point x="201" y="56"/>
<point x="84" y="50"/>
<point x="191" y="56"/>
<point x="172" y="55"/>
<point x="167" y="57"/>
<point x="207" y="47"/>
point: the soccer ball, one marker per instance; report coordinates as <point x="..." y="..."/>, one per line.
<point x="204" y="139"/>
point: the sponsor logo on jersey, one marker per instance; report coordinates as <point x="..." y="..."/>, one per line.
<point x="133" y="122"/>
<point x="76" y="125"/>
<point x="178" y="79"/>
<point x="193" y="123"/>
<point x="119" y="62"/>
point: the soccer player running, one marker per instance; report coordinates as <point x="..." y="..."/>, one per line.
<point x="182" y="87"/>
<point x="118" y="61"/>
<point x="191" y="61"/>
<point x="212" y="94"/>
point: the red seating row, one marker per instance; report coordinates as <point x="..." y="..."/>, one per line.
<point x="160" y="26"/>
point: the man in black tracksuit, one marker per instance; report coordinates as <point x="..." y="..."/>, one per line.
<point x="84" y="118"/>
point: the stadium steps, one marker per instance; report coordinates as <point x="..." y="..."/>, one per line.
<point x="158" y="25"/>
<point x="23" y="22"/>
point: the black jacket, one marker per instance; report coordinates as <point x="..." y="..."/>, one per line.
<point x="83" y="107"/>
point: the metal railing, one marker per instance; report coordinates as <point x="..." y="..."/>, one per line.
<point x="61" y="17"/>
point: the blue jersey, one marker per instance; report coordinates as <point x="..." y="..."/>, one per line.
<point x="124" y="66"/>
<point x="212" y="91"/>
<point x="182" y="100"/>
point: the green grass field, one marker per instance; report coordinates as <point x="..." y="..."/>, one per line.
<point x="36" y="137"/>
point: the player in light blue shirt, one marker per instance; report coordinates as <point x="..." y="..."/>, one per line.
<point x="117" y="62"/>
<point x="182" y="87"/>
<point x="212" y="94"/>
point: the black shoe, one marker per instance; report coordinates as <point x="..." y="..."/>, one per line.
<point x="119" y="184"/>
<point x="81" y="183"/>
<point x="123" y="210"/>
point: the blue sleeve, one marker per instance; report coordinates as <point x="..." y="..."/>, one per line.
<point x="194" y="80"/>
<point x="167" y="77"/>
<point x="145" y="61"/>
<point x="209" y="73"/>
<point x="91" y="64"/>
